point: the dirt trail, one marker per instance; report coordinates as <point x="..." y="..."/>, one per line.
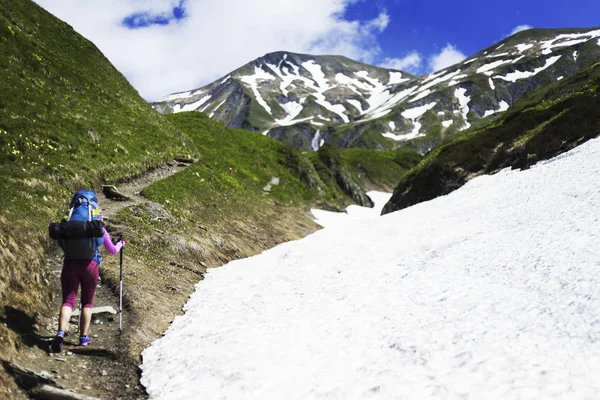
<point x="103" y="368"/>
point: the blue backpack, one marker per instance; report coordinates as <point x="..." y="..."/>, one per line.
<point x="83" y="207"/>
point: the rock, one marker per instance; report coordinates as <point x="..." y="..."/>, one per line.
<point x="87" y="387"/>
<point x="49" y="392"/>
<point x="97" y="311"/>
<point x="104" y="373"/>
<point x="112" y="193"/>
<point x="184" y="160"/>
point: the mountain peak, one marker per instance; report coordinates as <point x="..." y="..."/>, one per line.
<point x="306" y="100"/>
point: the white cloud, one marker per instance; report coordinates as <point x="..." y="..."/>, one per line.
<point x="216" y="37"/>
<point x="449" y="55"/>
<point x="410" y="63"/>
<point x="520" y="28"/>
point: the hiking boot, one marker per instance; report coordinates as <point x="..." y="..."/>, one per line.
<point x="57" y="343"/>
<point x="85" y="340"/>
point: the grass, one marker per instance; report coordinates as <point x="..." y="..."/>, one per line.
<point x="68" y="120"/>
<point x="379" y="169"/>
<point x="256" y="159"/>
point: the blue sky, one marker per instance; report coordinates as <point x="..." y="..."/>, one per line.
<point x="470" y="25"/>
<point x="166" y="46"/>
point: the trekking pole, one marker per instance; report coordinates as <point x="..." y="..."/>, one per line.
<point x="121" y="289"/>
<point x="79" y="320"/>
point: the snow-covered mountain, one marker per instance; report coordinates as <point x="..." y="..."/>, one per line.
<point x="307" y="100"/>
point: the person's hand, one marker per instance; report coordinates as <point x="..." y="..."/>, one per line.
<point x="124" y="241"/>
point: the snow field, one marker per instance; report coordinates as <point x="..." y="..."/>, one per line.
<point x="490" y="292"/>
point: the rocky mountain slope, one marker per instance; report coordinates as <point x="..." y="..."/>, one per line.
<point x="542" y="124"/>
<point x="306" y="101"/>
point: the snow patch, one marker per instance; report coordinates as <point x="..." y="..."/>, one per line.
<point x="182" y="95"/>
<point x="503" y="107"/>
<point x="392" y="125"/>
<point x="434" y="76"/>
<point x="420" y="96"/>
<point x="463" y="100"/>
<point x="396" y="77"/>
<point x="192" y="106"/>
<point x="516" y="60"/>
<point x="560" y="78"/>
<point x="514" y="76"/>
<point x="446" y="124"/>
<point x="216" y="108"/>
<point x="317" y="141"/>
<point x="491" y="66"/>
<point x="492" y="84"/>
<point x="498" y="55"/>
<point x="356" y="104"/>
<point x="293" y="109"/>
<point x="522" y="47"/>
<point x="317" y="74"/>
<point x="439" y="80"/>
<point x="413" y="114"/>
<point x="252" y="81"/>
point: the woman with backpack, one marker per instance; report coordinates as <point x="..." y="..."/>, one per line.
<point x="80" y="267"/>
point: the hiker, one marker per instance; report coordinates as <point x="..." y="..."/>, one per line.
<point x="80" y="267"/>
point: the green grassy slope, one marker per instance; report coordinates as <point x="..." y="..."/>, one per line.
<point x="543" y="124"/>
<point x="379" y="169"/>
<point x="68" y="120"/>
<point x="254" y="158"/>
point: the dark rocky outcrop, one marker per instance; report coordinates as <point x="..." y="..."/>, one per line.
<point x="543" y="125"/>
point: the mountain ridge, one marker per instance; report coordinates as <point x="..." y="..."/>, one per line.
<point x="306" y="101"/>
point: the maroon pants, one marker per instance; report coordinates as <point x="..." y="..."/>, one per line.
<point x="75" y="273"/>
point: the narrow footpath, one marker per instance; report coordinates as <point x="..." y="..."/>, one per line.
<point x="103" y="370"/>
